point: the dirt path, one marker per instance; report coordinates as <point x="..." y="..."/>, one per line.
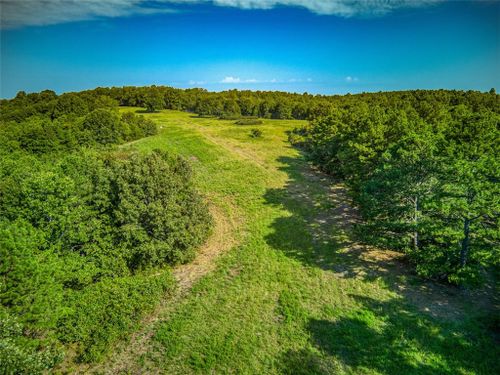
<point x="221" y="240"/>
<point x="124" y="356"/>
<point x="353" y="260"/>
<point x="358" y="260"/>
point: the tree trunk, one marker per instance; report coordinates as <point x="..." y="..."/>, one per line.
<point x="415" y="221"/>
<point x="464" y="252"/>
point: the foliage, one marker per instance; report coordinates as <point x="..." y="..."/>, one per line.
<point x="233" y="104"/>
<point x="106" y="311"/>
<point x="159" y="217"/>
<point x="84" y="228"/>
<point x="424" y="173"/>
<point x="255" y="133"/>
<point x="247" y="121"/>
<point x="41" y="135"/>
<point x="21" y="355"/>
<point x="85" y="232"/>
<point x="153" y="100"/>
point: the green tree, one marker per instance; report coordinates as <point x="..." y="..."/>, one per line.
<point x="102" y="126"/>
<point x="153" y="101"/>
<point x="159" y="217"/>
<point x="231" y="108"/>
<point x="395" y="196"/>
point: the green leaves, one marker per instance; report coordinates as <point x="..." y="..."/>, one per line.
<point x="79" y="237"/>
<point x="425" y="176"/>
<point x="156" y="212"/>
<point x="101" y="127"/>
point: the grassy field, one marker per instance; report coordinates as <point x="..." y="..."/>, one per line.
<point x="295" y="293"/>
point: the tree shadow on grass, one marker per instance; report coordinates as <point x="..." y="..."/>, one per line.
<point x="389" y="338"/>
<point x="424" y="330"/>
<point x="318" y="232"/>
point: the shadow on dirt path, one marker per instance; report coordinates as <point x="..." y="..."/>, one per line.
<point x="422" y="316"/>
<point x="322" y="207"/>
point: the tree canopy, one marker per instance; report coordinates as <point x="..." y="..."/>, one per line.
<point x="423" y="167"/>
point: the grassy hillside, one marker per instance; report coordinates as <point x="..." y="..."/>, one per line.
<point x="296" y="294"/>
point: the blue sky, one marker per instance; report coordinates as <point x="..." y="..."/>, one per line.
<point x="330" y="46"/>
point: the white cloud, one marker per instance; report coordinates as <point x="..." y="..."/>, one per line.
<point x="230" y="79"/>
<point x="343" y="8"/>
<point x="193" y="82"/>
<point x="351" y="79"/>
<point x="17" y="13"/>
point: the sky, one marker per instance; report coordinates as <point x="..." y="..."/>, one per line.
<point x="315" y="46"/>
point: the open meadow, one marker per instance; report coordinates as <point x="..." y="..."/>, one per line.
<point x="255" y="187"/>
<point x="282" y="286"/>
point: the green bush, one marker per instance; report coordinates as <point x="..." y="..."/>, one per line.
<point x="108" y="310"/>
<point x="158" y="216"/>
<point x="255" y="133"/>
<point x="247" y="121"/>
<point x="79" y="236"/>
<point x="21" y="354"/>
<point x="237" y="117"/>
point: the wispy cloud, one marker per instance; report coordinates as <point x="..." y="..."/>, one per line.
<point x="236" y="80"/>
<point x="17" y="13"/>
<point x="230" y="79"/>
<point x="351" y="79"/>
<point x="343" y="8"/>
<point x="194" y="83"/>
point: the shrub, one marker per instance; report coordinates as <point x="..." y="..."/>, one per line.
<point x="19" y="353"/>
<point x="255" y="133"/>
<point x="157" y="214"/>
<point x="78" y="235"/>
<point x="249" y="121"/>
<point x="109" y="310"/>
<point x="102" y="126"/>
<point x="297" y="136"/>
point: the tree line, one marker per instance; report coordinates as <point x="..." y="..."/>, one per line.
<point x="423" y="167"/>
<point x="231" y="103"/>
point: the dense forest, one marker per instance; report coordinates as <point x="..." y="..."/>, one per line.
<point x="85" y="224"/>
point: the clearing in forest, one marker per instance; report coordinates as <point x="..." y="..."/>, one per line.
<point x="282" y="287"/>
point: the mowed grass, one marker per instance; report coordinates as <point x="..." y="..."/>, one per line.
<point x="298" y="295"/>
